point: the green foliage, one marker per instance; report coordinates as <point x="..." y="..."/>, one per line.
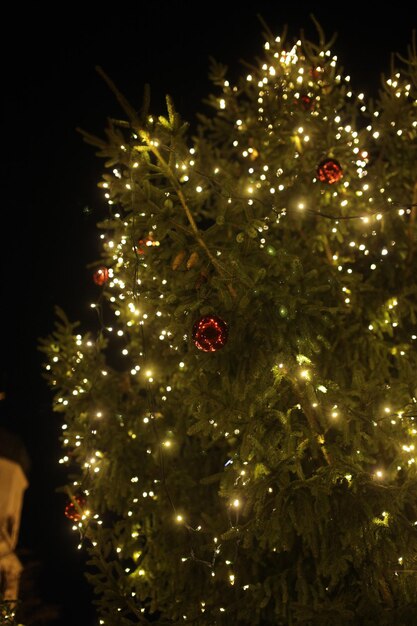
<point x="274" y="480"/>
<point x="7" y="612"/>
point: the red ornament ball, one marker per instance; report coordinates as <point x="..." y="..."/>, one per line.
<point x="141" y="247"/>
<point x="72" y="511"/>
<point x="316" y="72"/>
<point x="210" y="333"/>
<point x="329" y="171"/>
<point x="307" y="102"/>
<point x="101" y="275"/>
<point x="145" y="243"/>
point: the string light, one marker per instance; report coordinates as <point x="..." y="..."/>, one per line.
<point x="353" y="223"/>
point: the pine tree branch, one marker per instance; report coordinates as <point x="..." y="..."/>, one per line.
<point x="327" y="249"/>
<point x="312" y="421"/>
<point x="172" y="178"/>
<point x="411" y="226"/>
<point x="130" y="112"/>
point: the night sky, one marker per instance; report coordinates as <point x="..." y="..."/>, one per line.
<point x="51" y="203"/>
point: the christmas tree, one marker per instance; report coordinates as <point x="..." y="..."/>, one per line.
<point x="239" y="425"/>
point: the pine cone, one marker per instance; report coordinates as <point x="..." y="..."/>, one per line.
<point x="178" y="260"/>
<point x="192" y="260"/>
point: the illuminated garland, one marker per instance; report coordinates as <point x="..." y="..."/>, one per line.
<point x="137" y="296"/>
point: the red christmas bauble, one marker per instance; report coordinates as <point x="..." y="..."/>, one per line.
<point x="146" y="242"/>
<point x="72" y="512"/>
<point x="141" y="247"/>
<point x="307" y="102"/>
<point x="210" y="333"/>
<point x="329" y="171"/>
<point x="101" y="275"/>
<point x="316" y="72"/>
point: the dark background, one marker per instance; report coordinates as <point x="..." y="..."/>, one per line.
<point x="50" y="201"/>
